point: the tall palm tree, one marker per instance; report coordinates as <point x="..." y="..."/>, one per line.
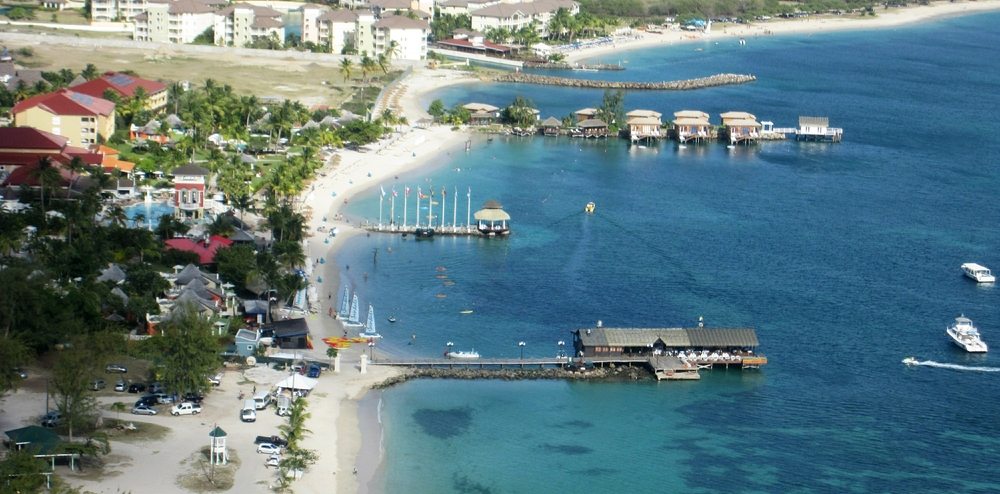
<point x="345" y="68"/>
<point x="76" y="167"/>
<point x="383" y="63"/>
<point x="392" y="49"/>
<point x="368" y="65"/>
<point x="48" y="177"/>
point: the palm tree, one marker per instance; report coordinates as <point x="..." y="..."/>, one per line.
<point x="117" y="215"/>
<point x="76" y="166"/>
<point x="392" y="49"/>
<point x="368" y="65"/>
<point x="383" y="63"/>
<point x="118" y="407"/>
<point x="48" y="177"/>
<point x="345" y="68"/>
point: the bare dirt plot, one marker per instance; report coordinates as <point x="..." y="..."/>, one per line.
<point x="201" y="476"/>
<point x="286" y="78"/>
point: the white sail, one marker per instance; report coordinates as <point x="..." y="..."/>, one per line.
<point x="370" y="326"/>
<point x="353" y="317"/>
<point x="345" y="303"/>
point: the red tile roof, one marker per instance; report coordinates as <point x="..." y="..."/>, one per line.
<point x="205" y="255"/>
<point x="124" y="85"/>
<point x="22" y="176"/>
<point x="66" y="102"/>
<point x="464" y="43"/>
<point x="30" y="138"/>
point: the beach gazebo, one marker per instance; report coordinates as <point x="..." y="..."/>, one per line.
<point x="550" y="126"/>
<point x="492" y="219"/>
<point x="219" y="454"/>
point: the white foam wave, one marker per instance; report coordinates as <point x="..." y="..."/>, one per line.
<point x="931" y="363"/>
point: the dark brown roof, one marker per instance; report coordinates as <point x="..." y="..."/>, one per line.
<point x="671" y="337"/>
<point x="189" y="169"/>
<point x="341" y="15"/>
<point x="492" y="204"/>
<point x="593" y="123"/>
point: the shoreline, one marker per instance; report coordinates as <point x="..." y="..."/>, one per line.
<point x="350" y="178"/>
<point x="810" y="25"/>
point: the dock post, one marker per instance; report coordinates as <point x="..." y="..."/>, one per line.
<point x="364" y="364"/>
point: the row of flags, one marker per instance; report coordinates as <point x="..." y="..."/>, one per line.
<point x="420" y="192"/>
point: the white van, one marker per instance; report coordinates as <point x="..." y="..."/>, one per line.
<point x="249" y="412"/>
<point x="262" y="400"/>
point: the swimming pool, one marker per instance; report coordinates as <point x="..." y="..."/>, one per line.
<point x="151" y="211"/>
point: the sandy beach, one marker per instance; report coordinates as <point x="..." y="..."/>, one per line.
<point x="893" y="17"/>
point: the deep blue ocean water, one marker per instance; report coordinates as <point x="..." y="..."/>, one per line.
<point x="844" y="258"/>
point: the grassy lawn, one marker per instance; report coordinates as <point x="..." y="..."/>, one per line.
<point x="202" y="477"/>
<point x="144" y="432"/>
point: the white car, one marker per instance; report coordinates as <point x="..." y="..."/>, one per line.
<point x="269" y="449"/>
<point x="272" y="461"/>
<point x="185" y="409"/>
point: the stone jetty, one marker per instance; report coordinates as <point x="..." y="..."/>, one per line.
<point x="621" y="373"/>
<point x="683" y="85"/>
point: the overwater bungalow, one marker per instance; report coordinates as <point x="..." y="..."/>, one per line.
<point x="700" y="346"/>
<point x="550" y="126"/>
<point x="592" y="127"/>
<point x="644" y="125"/>
<point x="482" y="114"/>
<point x="692" y="125"/>
<point x="817" y="129"/>
<point x="741" y="127"/>
<point x="585" y="114"/>
<point x="492" y="219"/>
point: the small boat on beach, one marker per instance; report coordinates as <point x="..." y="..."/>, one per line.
<point x="590" y="207"/>
<point x="462" y="355"/>
<point x="979" y="273"/>
<point x="965" y="335"/>
<point x="370" y="326"/>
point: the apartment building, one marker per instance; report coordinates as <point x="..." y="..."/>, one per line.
<point x="409" y="34"/>
<point x="78" y="117"/>
<point x="514" y="16"/>
<point x="173" y="21"/>
<point x="238" y="24"/>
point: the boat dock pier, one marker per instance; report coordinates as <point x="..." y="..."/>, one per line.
<point x="662" y="366"/>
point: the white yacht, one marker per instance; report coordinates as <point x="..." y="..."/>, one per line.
<point x="964" y="334"/>
<point x="979" y="273"/>
<point x="462" y="355"/>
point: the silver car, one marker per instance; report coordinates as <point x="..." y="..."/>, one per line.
<point x="269" y="449"/>
<point x="144" y="410"/>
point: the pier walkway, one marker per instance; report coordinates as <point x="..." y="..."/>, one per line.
<point x="664" y="367"/>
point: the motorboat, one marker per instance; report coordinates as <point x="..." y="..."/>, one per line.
<point x="910" y="361"/>
<point x="979" y="273"/>
<point x="392" y="319"/>
<point x="965" y="335"/>
<point x="590" y="207"/>
<point x="462" y="355"/>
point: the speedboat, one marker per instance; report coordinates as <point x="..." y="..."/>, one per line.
<point x="910" y="361"/>
<point x="392" y="319"/>
<point x="462" y="355"/>
<point x="979" y="273"/>
<point x="964" y="334"/>
<point x="590" y="207"/>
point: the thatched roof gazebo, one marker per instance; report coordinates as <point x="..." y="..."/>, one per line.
<point x="492" y="219"/>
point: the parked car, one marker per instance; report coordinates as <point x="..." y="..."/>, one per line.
<point x="164" y="398"/>
<point x="185" y="409"/>
<point x="269" y="449"/>
<point x="155" y="388"/>
<point x="137" y="388"/>
<point x="216" y="380"/>
<point x="144" y="410"/>
<point x="120" y="386"/>
<point x="272" y="461"/>
<point x="314" y="371"/>
<point x="150" y="400"/>
<point x="193" y="397"/>
<point x="248" y="415"/>
<point x="51" y="419"/>
<point x="20" y="372"/>
<point x="275" y="440"/>
<point x="97" y="385"/>
<point x="115" y="368"/>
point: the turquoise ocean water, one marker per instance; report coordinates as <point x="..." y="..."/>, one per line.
<point x="844" y="258"/>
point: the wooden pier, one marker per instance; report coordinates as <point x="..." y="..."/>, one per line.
<point x="662" y="366"/>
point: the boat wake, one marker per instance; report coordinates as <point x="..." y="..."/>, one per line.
<point x="931" y="363"/>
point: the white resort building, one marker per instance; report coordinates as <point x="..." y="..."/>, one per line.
<point x="179" y="21"/>
<point x="238" y="24"/>
<point x="410" y="36"/>
<point x="514" y="16"/>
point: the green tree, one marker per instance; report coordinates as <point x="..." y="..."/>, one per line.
<point x="48" y="177"/>
<point x="190" y="351"/>
<point x="71" y="375"/>
<point x="612" y="109"/>
<point x="90" y="72"/>
<point x="436" y="109"/>
<point x="21" y="472"/>
<point x="118" y="407"/>
<point x="235" y="263"/>
<point x="13" y="353"/>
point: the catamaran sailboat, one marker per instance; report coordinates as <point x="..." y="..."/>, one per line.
<point x="370" y="327"/>
<point x="352" y="318"/>
<point x="964" y="334"/>
<point x="345" y="303"/>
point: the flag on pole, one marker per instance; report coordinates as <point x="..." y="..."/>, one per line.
<point x="383" y="190"/>
<point x="443" y="193"/>
<point x="394" y="193"/>
<point x="407" y="191"/>
<point x="420" y="193"/>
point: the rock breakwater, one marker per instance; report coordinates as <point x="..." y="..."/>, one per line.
<point x="682" y="85"/>
<point x="597" y="374"/>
